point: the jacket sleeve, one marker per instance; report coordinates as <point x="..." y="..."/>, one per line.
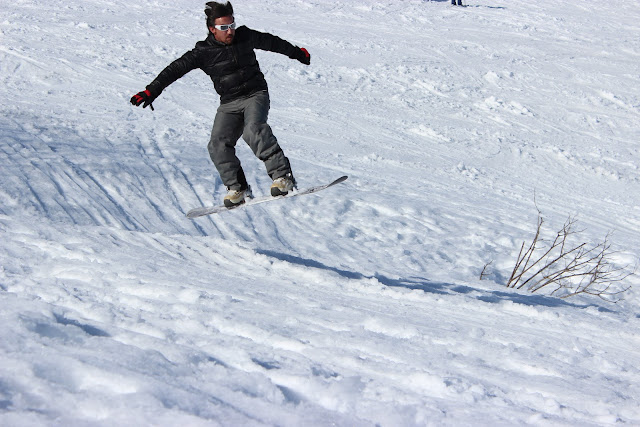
<point x="266" y="41"/>
<point x="175" y="70"/>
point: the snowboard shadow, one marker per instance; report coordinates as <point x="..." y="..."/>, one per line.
<point x="435" y="287"/>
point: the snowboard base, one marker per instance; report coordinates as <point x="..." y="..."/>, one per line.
<point x="209" y="210"/>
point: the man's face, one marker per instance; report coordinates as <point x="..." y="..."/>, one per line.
<point x="226" y="36"/>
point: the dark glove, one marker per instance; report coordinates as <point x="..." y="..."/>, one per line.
<point x="145" y="97"/>
<point x="304" y="56"/>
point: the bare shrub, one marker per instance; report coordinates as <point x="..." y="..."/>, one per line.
<point x="485" y="270"/>
<point x="566" y="268"/>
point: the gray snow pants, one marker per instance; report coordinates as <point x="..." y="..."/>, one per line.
<point x="246" y="117"/>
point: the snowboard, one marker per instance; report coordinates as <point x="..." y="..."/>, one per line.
<point x="209" y="210"/>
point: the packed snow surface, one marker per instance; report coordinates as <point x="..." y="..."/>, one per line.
<point x="361" y="305"/>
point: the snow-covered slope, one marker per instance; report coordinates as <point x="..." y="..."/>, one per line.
<point x="359" y="306"/>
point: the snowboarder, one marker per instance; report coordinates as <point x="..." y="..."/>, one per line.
<point x="227" y="56"/>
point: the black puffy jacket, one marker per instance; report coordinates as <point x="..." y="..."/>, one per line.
<point x="233" y="68"/>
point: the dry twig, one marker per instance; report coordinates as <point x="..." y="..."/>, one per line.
<point x="570" y="269"/>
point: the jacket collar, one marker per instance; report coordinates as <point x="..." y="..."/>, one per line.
<point x="211" y="41"/>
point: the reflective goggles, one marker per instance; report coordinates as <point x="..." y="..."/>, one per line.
<point x="225" y="27"/>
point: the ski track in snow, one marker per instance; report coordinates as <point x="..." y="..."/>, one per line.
<point x="358" y="306"/>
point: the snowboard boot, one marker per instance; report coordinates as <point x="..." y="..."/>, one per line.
<point x="236" y="197"/>
<point x="282" y="186"/>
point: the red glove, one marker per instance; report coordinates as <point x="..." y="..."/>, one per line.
<point x="144" y="96"/>
<point x="304" y="56"/>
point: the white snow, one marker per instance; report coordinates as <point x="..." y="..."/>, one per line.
<point x="359" y="306"/>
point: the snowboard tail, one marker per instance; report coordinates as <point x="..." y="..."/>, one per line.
<point x="209" y="210"/>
